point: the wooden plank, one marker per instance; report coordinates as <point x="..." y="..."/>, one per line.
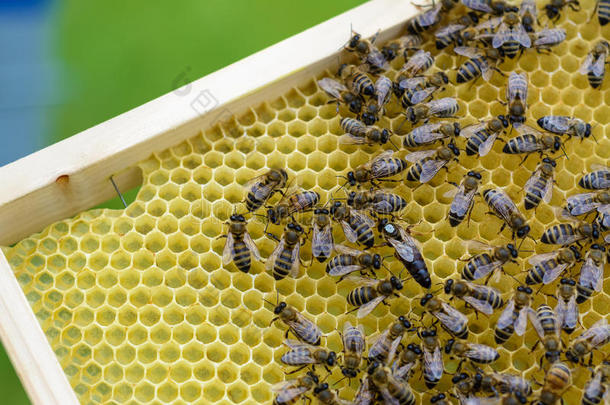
<point x="27" y="346"/>
<point x="73" y="175"/>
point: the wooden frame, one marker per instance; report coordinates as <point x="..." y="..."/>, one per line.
<point x="73" y="175"/>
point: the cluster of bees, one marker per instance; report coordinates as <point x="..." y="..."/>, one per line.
<point x="489" y="32"/>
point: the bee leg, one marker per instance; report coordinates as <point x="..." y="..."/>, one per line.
<point x="296" y="370"/>
<point x="221" y="236"/>
<point x="272" y="236"/>
<point x="591" y="359"/>
<point x="535" y="346"/>
<point x="306" y="400"/>
<point x="273" y="320"/>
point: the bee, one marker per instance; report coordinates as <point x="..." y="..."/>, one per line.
<point x="509" y="383"/>
<point x="477" y="353"/>
<point x="367" y="51"/>
<point x="433" y="359"/>
<point x="427" y="134"/>
<point x="261" y="188"/>
<point x="553" y="9"/>
<point x="290" y="391"/>
<point x="482" y="298"/>
<point x="482" y="136"/>
<point x="529" y="14"/>
<point x="417" y="65"/>
<point x="504" y="208"/>
<point x="301" y="327"/>
<point x="376" y="105"/>
<point x="516" y="97"/>
<point x="593" y="338"/>
<point x="326" y="397"/>
<point x="356" y="132"/>
<point x="515" y="314"/>
<point x="452" y="320"/>
<point x="547" y="38"/>
<point x="285" y="258"/>
<point x="356" y="80"/>
<point x="580" y="204"/>
<point x="427" y="163"/>
<point x="340" y="93"/>
<point x="573" y="232"/>
<point x="481" y="62"/>
<point x="548" y="266"/>
<point x="405" y="364"/>
<point x="511" y="35"/>
<point x="566" y="309"/>
<point x="591" y="273"/>
<point x="401" y="45"/>
<point x="293" y="201"/>
<point x="322" y="242"/>
<point x="599" y="179"/>
<point x="596" y="389"/>
<point x="392" y="390"/>
<point x="353" y="347"/>
<point x="357" y="227"/>
<point x="418" y="89"/>
<point x="540" y="185"/>
<point x="557" y="380"/>
<point x="603" y="11"/>
<point x="371" y="292"/>
<point x="385" y="345"/>
<point x="448" y="35"/>
<point x="429" y="18"/>
<point x="548" y="327"/>
<point x="482" y="264"/>
<point x="380" y="167"/>
<point x="494" y="7"/>
<point x="365" y="394"/>
<point x="350" y="260"/>
<point x="239" y="247"/>
<point x="406" y="250"/>
<point x="562" y="125"/>
<point x="378" y="201"/>
<point x="531" y="140"/>
<point x="463" y="198"/>
<point x="442" y="108"/>
<point x="302" y="354"/>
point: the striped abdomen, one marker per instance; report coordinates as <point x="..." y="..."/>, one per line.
<point x="583" y="293"/>
<point x="394" y="201"/>
<point x="242" y="258"/>
<point x="408" y="96"/>
<point x="283" y="264"/>
<point x="361" y="84"/>
<point x="252" y="203"/>
<point x="353" y="126"/>
<point x="603" y="12"/>
<point x="502" y="335"/>
<point x="473" y="143"/>
<point x="417" y="268"/>
<point x="597" y="180"/>
<point x="340" y="261"/>
<point x="556" y="234"/>
<point x="534" y="194"/>
<point x="547" y="319"/>
<point x="474" y="263"/>
<point x="361" y="295"/>
<point x="402" y="393"/>
<point x="469" y="70"/>
<point x="520" y="144"/>
<point x="415" y="170"/>
<point x="365" y="233"/>
<point x="490" y="296"/>
<point x="594" y="80"/>
<point x="511" y="48"/>
<point x="536" y="274"/>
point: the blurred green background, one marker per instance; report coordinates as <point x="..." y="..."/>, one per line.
<point x="68" y="65"/>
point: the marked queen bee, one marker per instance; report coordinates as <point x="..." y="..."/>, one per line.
<point x="482" y="298"/>
<point x="540" y="185"/>
<point x="549" y="266"/>
<point x="483" y="264"/>
<point x="289" y="392"/>
<point x="591" y="273"/>
<point x="463" y="198"/>
<point x="239" y="248"/>
<point x="427" y="163"/>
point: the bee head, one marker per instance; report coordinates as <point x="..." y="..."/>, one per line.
<point x="474" y="174"/>
<point x="519" y="396"/>
<point x="332" y="359"/>
<point x="321" y="211"/>
<point x="320" y="388"/>
<point x="504" y="121"/>
<point x="351" y="179"/>
<point x="513" y="250"/>
<point x="449" y="346"/>
<point x="279" y="308"/>
<point x="354" y="40"/>
<point x="376" y="261"/>
<point x="459" y="377"/>
<point x="456" y="128"/>
<point x="448" y="285"/>
<point x="437" y="398"/>
<point x="374" y="365"/>
<point x="355" y="105"/>
<point x="369" y="119"/>
<point x="425" y="300"/>
<point x="351" y="197"/>
<point x="396" y="283"/>
<point x="349" y="372"/>
<point x="524" y="289"/>
<point x="404" y="321"/>
<point x="271" y="214"/>
<point x="567" y="281"/>
<point x="550" y="161"/>
<point x="587" y="130"/>
<point x="444" y="78"/>
<point x="388" y="53"/>
<point x="552" y="355"/>
<point x="313" y="376"/>
<point x="598" y="247"/>
<point x="556" y="143"/>
<point x="523" y="231"/>
<point x="237" y="218"/>
<point x="454" y="149"/>
<point x="411" y="114"/>
<point x="575" y="251"/>
<point x="385" y="136"/>
<point x="595" y="231"/>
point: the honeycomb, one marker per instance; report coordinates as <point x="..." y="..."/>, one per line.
<point x="139" y="309"/>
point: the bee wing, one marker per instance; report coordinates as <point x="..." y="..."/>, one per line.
<point x="350" y="234"/>
<point x="581" y="203"/>
<point x="547" y="193"/>
<point x="552" y="274"/>
<point x="383" y="155"/>
<point x="382" y="90"/>
<point x="484" y="270"/>
<point x="506" y="208"/>
<point x="424" y="133"/>
<point x="525" y="129"/>
<point x="377" y="346"/>
<point x="506" y="318"/>
<point x="539" y="258"/>
<point x="369" y="306"/>
<point x="228" y="252"/>
<point x="362" y="281"/>
<point x="478" y="246"/>
<point x="377" y="59"/>
<point x="430" y="17"/>
<point x="520" y="34"/>
<point x="421" y="95"/>
<point x="558" y="124"/>
<point x="349" y="139"/>
<point x="451" y="317"/>
<point x="478" y="5"/>
<point x="477" y="351"/>
<point x="596" y="167"/>
<point x="470" y="130"/>
<point x="285" y="395"/>
<point x="486" y="146"/>
<point x="412" y="83"/>
<point x="480" y="305"/>
<point x="347" y="250"/>
<point x="296" y="261"/>
<point x="404" y="250"/>
<point x="282" y="385"/>
<point x="388" y="399"/>
<point x="419" y="155"/>
<point x="467" y="51"/>
<point x="528" y="6"/>
<point x="501" y="36"/>
<point x="363" y="217"/>
<point x="599" y="67"/>
<point x="600" y="335"/>
<point x="302" y="326"/>
<point x="393" y="348"/>
<point x="430" y="168"/>
<point x="440" y="105"/>
<point x="591" y="275"/>
<point x="403" y="372"/>
<point x="343" y="270"/>
<point x="271" y="259"/>
<point x="567" y="312"/>
<point x="295" y="345"/>
<point x="252" y="246"/>
<point x="462" y="201"/>
<point x="322" y="241"/>
<point x="521" y="322"/>
<point x="448" y="30"/>
<point x="433" y="362"/>
<point x="332" y="87"/>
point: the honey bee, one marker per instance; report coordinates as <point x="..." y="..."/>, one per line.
<point x="547" y="38"/>
<point x="482" y="136"/>
<point x="452" y="320"/>
<point x="591" y="273"/>
<point x="494" y="7"/>
<point x="509" y="383"/>
<point x="406" y="250"/>
<point x="515" y="314"/>
<point x="516" y="97"/>
<point x="371" y="292"/>
<point x="448" y="35"/>
<point x="376" y="105"/>
<point x="293" y="201"/>
<point x="340" y="93"/>
<point x="301" y="327"/>
<point x="540" y="185"/>
<point x="529" y="14"/>
<point x="418" y="89"/>
<point x="240" y="248"/>
<point x="290" y="391"/>
<point x="442" y="108"/>
<point x="580" y="204"/>
<point x="477" y="353"/>
<point x="385" y="345"/>
<point x="322" y="242"/>
<point x="367" y="51"/>
<point x="531" y="140"/>
<point x="596" y="389"/>
<point x="548" y="328"/>
<point x="285" y="258"/>
<point x="602" y="7"/>
<point x="562" y="125"/>
<point x="593" y="338"/>
<point x="356" y="132"/>
<point x="356" y="80"/>
<point x="326" y="397"/>
<point x="378" y="201"/>
<point x="481" y="62"/>
<point x="463" y="198"/>
<point x="599" y="179"/>
<point x="511" y="35"/>
<point x="482" y="264"/>
<point x="433" y="359"/>
<point x="504" y="208"/>
<point x="406" y="362"/>
<point x="381" y="167"/>
<point x="393" y="391"/>
<point x="427" y="134"/>
<point x="573" y="232"/>
<point x="429" y="18"/>
<point x="427" y="163"/>
<point x="357" y="226"/>
<point x="350" y="260"/>
<point x="261" y="188"/>
<point x="417" y="65"/>
<point x="482" y="298"/>
<point x="302" y="354"/>
<point x="553" y="9"/>
<point x="557" y="380"/>
<point x="401" y="45"/>
<point x="548" y="266"/>
<point x="566" y="309"/>
<point x="353" y="347"/>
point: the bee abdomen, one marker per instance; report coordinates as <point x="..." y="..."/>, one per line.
<point x="511" y="48"/>
<point x="414" y="172"/>
<point x="242" y="257"/>
<point x="469" y="70"/>
<point x="519" y="144"/>
<point x="363" y="231"/>
<point x="471" y="265"/>
<point x="361" y="296"/>
<point x="547" y="319"/>
<point x="473" y="143"/>
<point x="583" y="293"/>
<point x="418" y="270"/>
<point x="533" y="196"/>
<point x="556" y="233"/>
<point x="283" y="264"/>
<point x="603" y="12"/>
<point x="340" y="260"/>
<point x="595" y="81"/>
<point x="536" y="274"/>
<point x="502" y="335"/>
<point x="485" y="355"/>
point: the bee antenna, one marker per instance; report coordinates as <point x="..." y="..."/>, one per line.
<point x="564" y="152"/>
<point x="339" y="380"/>
<point x="393" y="144"/>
